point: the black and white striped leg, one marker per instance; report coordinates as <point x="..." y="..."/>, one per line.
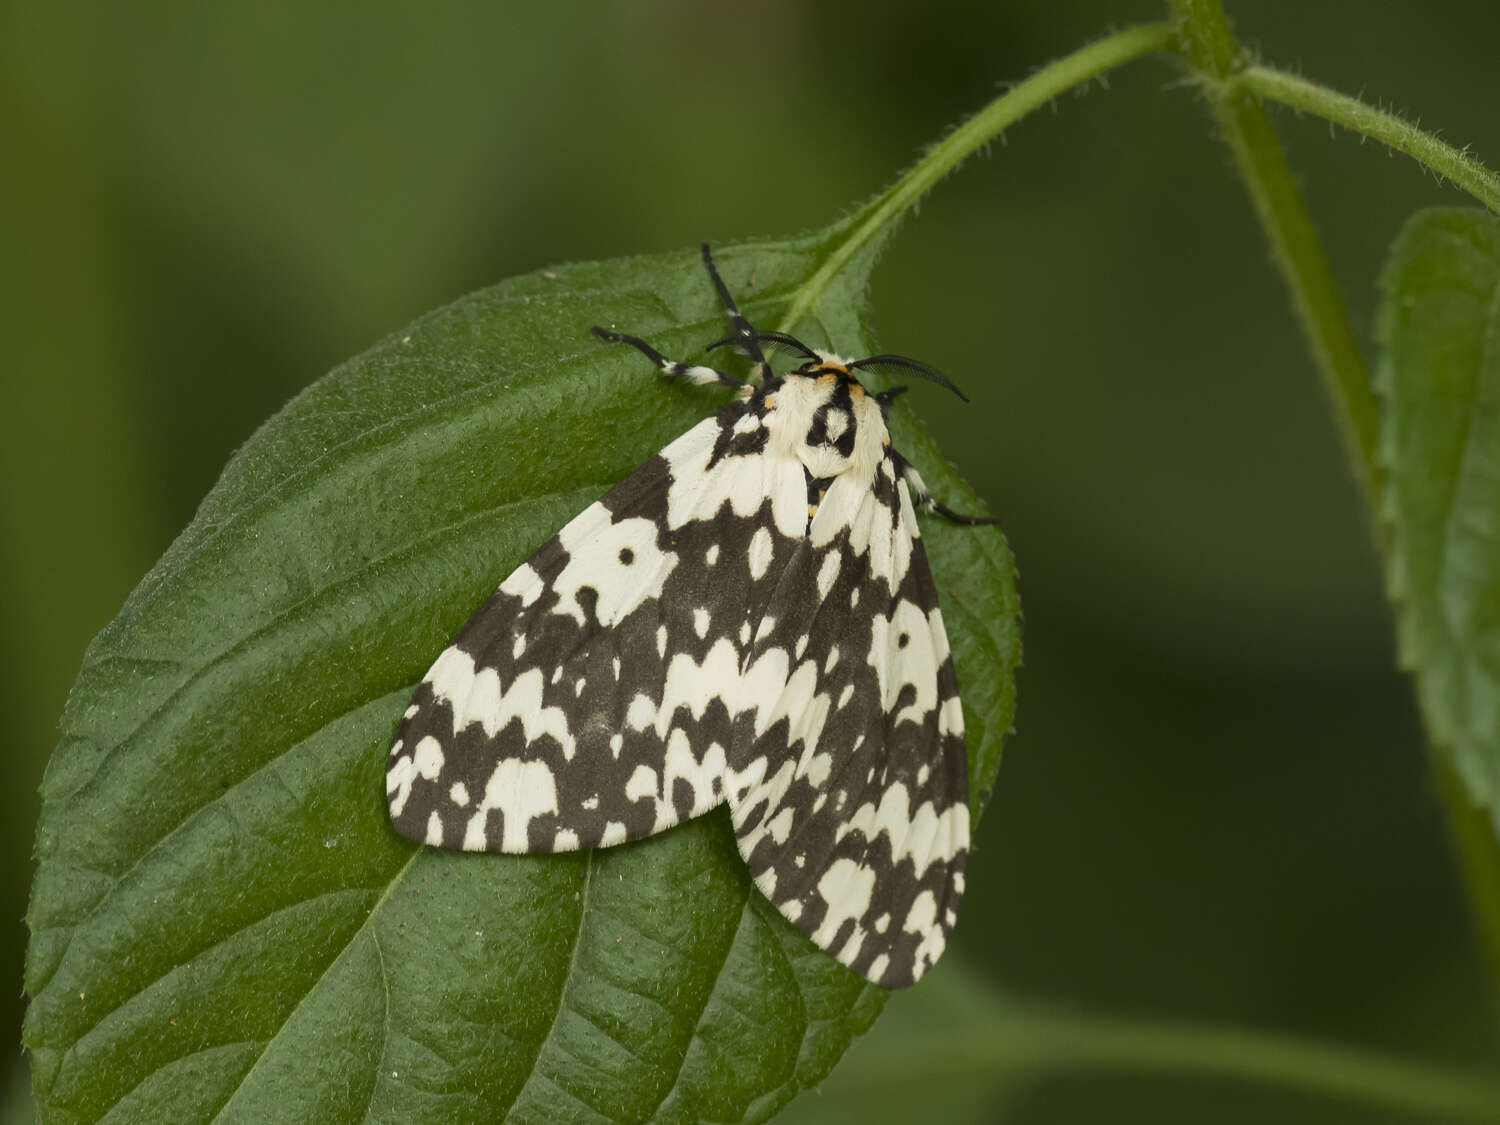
<point x="694" y="373"/>
<point x="741" y="334"/>
<point x="923" y="498"/>
<point x="958" y="517"/>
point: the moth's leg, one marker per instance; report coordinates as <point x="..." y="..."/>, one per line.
<point x="741" y="334"/>
<point x="922" y="498"/>
<point x="693" y="373"/>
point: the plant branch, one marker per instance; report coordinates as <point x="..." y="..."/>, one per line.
<point x="880" y="217"/>
<point x="1437" y="156"/>
<point x="1215" y="56"/>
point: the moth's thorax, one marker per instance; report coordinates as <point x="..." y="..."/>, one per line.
<point x="823" y="417"/>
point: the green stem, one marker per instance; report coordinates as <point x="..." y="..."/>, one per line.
<point x="1351" y="113"/>
<point x="1040" y="1041"/>
<point x="1220" y="65"/>
<point x="1216" y="56"/>
<point x="878" y="219"/>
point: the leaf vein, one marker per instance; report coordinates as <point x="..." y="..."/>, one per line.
<point x="374" y="910"/>
<point x="385" y="1032"/>
<point x="187" y="962"/>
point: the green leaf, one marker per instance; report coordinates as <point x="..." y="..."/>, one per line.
<point x="224" y="923"/>
<point x="1440" y="446"/>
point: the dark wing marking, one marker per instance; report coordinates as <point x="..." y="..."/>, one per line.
<point x="848" y="779"/>
<point x="590" y="700"/>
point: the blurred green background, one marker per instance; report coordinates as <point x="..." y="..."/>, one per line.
<point x="1216" y="806"/>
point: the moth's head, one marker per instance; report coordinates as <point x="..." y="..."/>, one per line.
<point x="829" y="371"/>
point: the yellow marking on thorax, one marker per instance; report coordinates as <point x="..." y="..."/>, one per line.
<point x="828" y="367"/>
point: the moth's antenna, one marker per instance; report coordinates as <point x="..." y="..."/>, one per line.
<point x="778" y="339"/>
<point x="789" y="342"/>
<point x="888" y="363"/>
<point x="740" y="332"/>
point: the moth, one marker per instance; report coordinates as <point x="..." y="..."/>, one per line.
<point x="747" y="619"/>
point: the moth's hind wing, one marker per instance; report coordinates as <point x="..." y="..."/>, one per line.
<point x="583" y="704"/>
<point x="849" y="782"/>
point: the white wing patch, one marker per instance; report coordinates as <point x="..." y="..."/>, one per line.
<point x="617" y="560"/>
<point x="521" y="791"/>
<point x="473" y="695"/>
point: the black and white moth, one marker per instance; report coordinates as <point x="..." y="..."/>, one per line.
<point x="749" y="619"/>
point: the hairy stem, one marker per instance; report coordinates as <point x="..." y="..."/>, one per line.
<point x="1216" y="57"/>
<point x="880" y="217"/>
<point x="1352" y="114"/>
